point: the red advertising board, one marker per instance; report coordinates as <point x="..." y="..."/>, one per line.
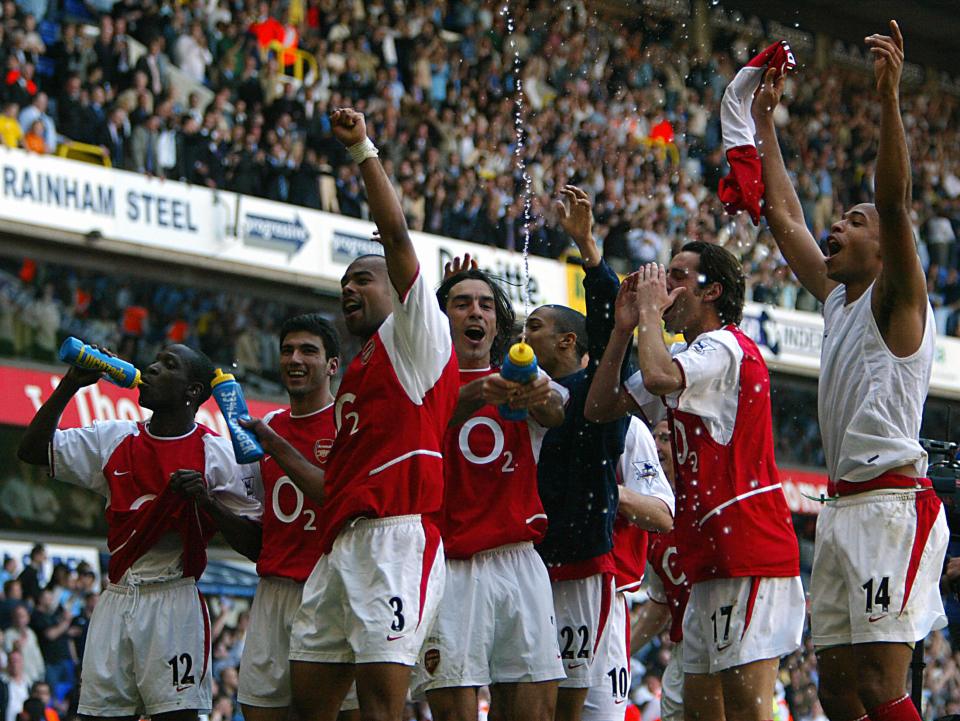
<point x="803" y="490"/>
<point x="23" y="391"/>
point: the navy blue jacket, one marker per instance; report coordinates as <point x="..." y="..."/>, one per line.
<point x="578" y="461"/>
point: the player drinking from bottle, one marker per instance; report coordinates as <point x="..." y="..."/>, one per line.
<point x="148" y="645"/>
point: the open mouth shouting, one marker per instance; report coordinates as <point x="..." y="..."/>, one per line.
<point x="832" y="246"/>
<point x="351" y="307"/>
<point x="475" y="334"/>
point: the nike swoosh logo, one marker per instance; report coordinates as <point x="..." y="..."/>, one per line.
<point x="874" y="619"/>
<point x="576" y="665"/>
<point x="617" y="703"/>
<point x="394" y="638"/>
<point x="723" y="648"/>
<point x="121" y="473"/>
<point x="182" y="688"/>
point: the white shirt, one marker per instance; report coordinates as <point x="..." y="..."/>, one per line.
<point x="639" y="466"/>
<point x="870" y="401"/>
<point x="711" y="372"/>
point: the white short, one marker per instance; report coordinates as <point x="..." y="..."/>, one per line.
<point x="495" y="624"/>
<point x="730" y="622"/>
<point x="373" y="598"/>
<point x="585" y="619"/>
<point x="607" y="700"/>
<point x="264" y="677"/>
<point x="671" y="699"/>
<point x="149" y="651"/>
<point x="876" y="569"/>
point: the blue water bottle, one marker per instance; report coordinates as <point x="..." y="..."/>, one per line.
<point x="519" y="366"/>
<point x="77" y="353"/>
<point x="229" y="396"/>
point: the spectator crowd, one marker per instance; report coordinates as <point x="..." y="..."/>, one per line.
<point x="627" y="110"/>
<point x="43" y="622"/>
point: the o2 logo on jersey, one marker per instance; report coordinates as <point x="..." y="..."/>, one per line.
<point x="309" y="514"/>
<point x="321" y="449"/>
<point x="684" y="454"/>
<point x="494" y="453"/>
<point x="351" y="417"/>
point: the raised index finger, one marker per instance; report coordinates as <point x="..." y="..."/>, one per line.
<point x="897" y="35"/>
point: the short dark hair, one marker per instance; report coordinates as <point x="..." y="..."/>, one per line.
<point x="200" y="369"/>
<point x="568" y="320"/>
<point x="719" y="265"/>
<point x="506" y="317"/>
<point x="317" y="325"/>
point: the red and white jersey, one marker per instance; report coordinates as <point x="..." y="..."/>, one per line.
<point x="732" y="517"/>
<point x="490" y="495"/>
<point x="292" y="522"/>
<point x="639" y="470"/>
<point x="129" y="467"/>
<point x="391" y="412"/>
<point x="669" y="585"/>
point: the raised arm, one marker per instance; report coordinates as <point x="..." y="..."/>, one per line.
<point x="900" y="300"/>
<point x="402" y="265"/>
<point x="661" y="375"/>
<point x="35" y="443"/>
<point x="600" y="283"/>
<point x="606" y="399"/>
<point x="782" y="206"/>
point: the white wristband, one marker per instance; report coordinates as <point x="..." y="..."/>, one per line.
<point x="363" y="150"/>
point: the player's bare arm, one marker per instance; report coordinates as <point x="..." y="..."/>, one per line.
<point x="652" y="619"/>
<point x="244" y="535"/>
<point x="646" y="512"/>
<point x="607" y="400"/>
<point x="781" y="204"/>
<point x="661" y="375"/>
<point x="575" y="212"/>
<point x="350" y="129"/>
<point x="306" y="476"/>
<point x="36" y="440"/>
<point x="900" y="300"/>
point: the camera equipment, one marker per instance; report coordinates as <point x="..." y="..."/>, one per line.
<point x="944" y="472"/>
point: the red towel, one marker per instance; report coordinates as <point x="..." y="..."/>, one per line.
<point x="742" y="189"/>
